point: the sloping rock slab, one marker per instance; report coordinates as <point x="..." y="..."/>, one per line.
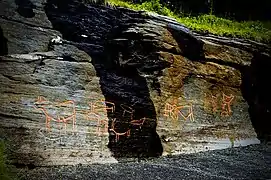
<point x="117" y="85"/>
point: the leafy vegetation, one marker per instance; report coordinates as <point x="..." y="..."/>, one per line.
<point x="254" y="30"/>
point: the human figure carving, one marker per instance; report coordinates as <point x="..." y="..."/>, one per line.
<point x="226" y="104"/>
<point x="214" y="103"/>
<point x="117" y="134"/>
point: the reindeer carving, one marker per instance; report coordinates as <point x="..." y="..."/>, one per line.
<point x="102" y="106"/>
<point x="117" y="134"/>
<point x="55" y="111"/>
<point x="174" y="111"/>
<point x="127" y="110"/>
<point x="139" y="122"/>
<point x="171" y="111"/>
<point x="102" y="127"/>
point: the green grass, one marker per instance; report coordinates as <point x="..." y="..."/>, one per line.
<point x="253" y="30"/>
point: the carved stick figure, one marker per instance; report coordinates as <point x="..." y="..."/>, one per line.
<point x="214" y="103"/>
<point x="226" y="102"/>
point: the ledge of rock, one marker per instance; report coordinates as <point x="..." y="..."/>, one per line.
<point x="87" y="84"/>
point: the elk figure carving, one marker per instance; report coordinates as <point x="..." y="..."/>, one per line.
<point x="60" y="112"/>
<point x="139" y="122"/>
<point x="117" y="134"/>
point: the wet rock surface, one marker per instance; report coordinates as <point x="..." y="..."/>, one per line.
<point x="94" y="84"/>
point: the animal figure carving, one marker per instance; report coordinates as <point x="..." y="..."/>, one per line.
<point x="139" y="122"/>
<point x="171" y="111"/>
<point x="102" y="127"/>
<point x="127" y="110"/>
<point x="117" y="134"/>
<point x="90" y="116"/>
<point x="174" y="111"/>
<point x="61" y="112"/>
<point x="102" y="106"/>
<point x="189" y="114"/>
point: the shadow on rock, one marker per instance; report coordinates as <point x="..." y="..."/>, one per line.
<point x="256" y="91"/>
<point x="132" y="121"/>
<point x="3" y="43"/>
<point x="25" y="8"/>
<point x="191" y="47"/>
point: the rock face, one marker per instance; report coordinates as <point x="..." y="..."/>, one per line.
<point x="94" y="84"/>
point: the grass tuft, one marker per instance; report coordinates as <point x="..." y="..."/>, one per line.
<point x="253" y="30"/>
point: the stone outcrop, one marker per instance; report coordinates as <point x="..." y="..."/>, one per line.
<point x="94" y="84"/>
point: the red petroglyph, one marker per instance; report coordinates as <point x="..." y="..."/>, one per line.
<point x="102" y="106"/>
<point x="173" y="111"/>
<point x="127" y="110"/>
<point x="102" y="124"/>
<point x="226" y="104"/>
<point x="55" y="111"/>
<point x="117" y="134"/>
<point x="139" y="122"/>
<point x="189" y="114"/>
<point x="214" y="103"/>
<point x="97" y="107"/>
<point x="92" y="116"/>
<point x="68" y="118"/>
<point x="102" y="127"/>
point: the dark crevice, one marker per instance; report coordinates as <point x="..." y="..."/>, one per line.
<point x="23" y="166"/>
<point x="251" y="47"/>
<point x="12" y="116"/>
<point x="25" y="23"/>
<point x="3" y="44"/>
<point x="118" y="65"/>
<point x="191" y="47"/>
<point x="256" y="91"/>
<point x="25" y="8"/>
<point x="10" y="77"/>
<point x="226" y="63"/>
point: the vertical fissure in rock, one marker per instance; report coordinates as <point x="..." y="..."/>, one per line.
<point x="256" y="92"/>
<point x="3" y="43"/>
<point x="132" y="126"/>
